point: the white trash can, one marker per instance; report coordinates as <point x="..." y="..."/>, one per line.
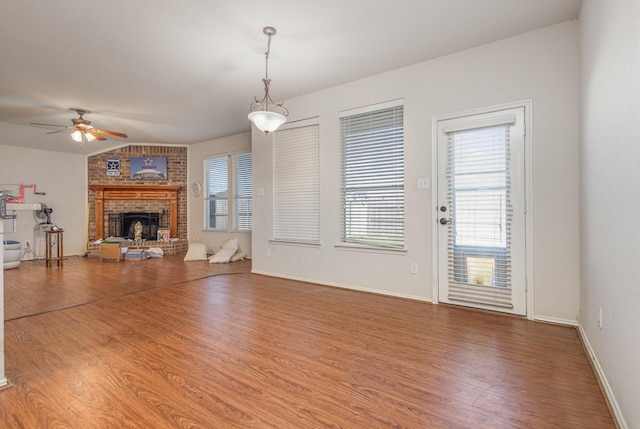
<point x="12" y="253"/>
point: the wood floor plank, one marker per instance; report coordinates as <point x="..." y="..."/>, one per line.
<point x="169" y="344"/>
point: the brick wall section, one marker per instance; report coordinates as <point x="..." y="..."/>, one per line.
<point x="176" y="171"/>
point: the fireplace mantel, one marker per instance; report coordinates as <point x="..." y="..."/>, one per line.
<point x="134" y="193"/>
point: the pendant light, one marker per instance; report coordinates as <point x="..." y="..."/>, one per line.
<point x="266" y="115"/>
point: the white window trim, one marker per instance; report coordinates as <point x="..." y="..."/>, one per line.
<point x="371" y="108"/>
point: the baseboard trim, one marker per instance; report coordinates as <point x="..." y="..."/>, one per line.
<point x="342" y="286"/>
<point x="618" y="417"/>
<point x="556" y="320"/>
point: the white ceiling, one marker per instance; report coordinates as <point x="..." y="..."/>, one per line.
<point x="181" y="72"/>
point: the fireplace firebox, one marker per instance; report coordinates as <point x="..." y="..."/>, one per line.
<point x="123" y="224"/>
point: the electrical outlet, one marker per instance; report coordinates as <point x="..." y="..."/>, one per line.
<point x="268" y="253"/>
<point x="600" y="317"/>
<point x="414" y="268"/>
<point x="423" y="183"/>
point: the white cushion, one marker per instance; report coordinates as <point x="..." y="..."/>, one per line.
<point x="155" y="252"/>
<point x="238" y="256"/>
<point x="196" y="252"/>
<point x="229" y="248"/>
<point x="231" y="243"/>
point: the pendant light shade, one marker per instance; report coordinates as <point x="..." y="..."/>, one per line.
<point x="266" y="121"/>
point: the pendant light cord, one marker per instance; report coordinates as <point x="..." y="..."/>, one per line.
<point x="266" y="55"/>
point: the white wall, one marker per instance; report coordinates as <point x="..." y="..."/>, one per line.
<point x="610" y="185"/>
<point x="543" y="66"/>
<point x="197" y="154"/>
<point x="61" y="175"/>
<point x="3" y="378"/>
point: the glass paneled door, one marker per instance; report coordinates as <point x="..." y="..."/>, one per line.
<point x="481" y="211"/>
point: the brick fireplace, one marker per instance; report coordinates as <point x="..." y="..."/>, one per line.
<point x="110" y="195"/>
<point x="139" y="194"/>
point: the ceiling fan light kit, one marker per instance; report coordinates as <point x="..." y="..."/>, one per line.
<point x="82" y="130"/>
<point x="265" y="114"/>
<point x="78" y="135"/>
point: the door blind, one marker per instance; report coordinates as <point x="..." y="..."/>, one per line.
<point x="479" y="254"/>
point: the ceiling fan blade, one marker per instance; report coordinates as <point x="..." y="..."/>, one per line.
<point x="82" y="128"/>
<point x="95" y="134"/>
<point x="110" y="133"/>
<point x="49" y="125"/>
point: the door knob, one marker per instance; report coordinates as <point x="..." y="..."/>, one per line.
<point x="444" y="221"/>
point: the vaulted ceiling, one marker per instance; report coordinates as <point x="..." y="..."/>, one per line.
<point x="181" y="72"/>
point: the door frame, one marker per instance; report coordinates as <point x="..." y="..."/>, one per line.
<point x="528" y="192"/>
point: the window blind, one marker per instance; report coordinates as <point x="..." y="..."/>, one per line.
<point x="373" y="177"/>
<point x="243" y="191"/>
<point x="479" y="254"/>
<point x="297" y="184"/>
<point x="216" y="205"/>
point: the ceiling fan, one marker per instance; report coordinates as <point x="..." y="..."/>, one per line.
<point x="81" y="130"/>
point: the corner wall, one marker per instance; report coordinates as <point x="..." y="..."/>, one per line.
<point x="197" y="154"/>
<point x="609" y="203"/>
<point x="543" y="66"/>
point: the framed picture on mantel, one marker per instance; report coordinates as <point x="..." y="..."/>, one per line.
<point x="164" y="234"/>
<point x="148" y="168"/>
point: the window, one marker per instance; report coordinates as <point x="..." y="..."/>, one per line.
<point x="218" y="171"/>
<point x="243" y="191"/>
<point x="216" y="202"/>
<point x="373" y="176"/>
<point x="296" y="184"/>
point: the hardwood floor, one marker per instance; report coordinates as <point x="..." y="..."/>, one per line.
<point x="167" y="344"/>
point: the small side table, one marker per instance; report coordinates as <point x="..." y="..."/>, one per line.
<point x="53" y="238"/>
